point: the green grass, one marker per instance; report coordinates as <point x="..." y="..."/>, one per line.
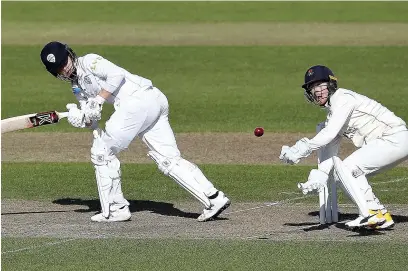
<point x="50" y="181"/>
<point x="125" y="254"/>
<point x="205" y="11"/>
<point x="210" y="88"/>
<point x="221" y="89"/>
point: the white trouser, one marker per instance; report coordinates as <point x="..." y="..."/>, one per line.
<point x="145" y="114"/>
<point x="374" y="157"/>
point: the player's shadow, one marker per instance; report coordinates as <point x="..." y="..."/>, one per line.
<point x="360" y="232"/>
<point x="313" y="226"/>
<point x="33" y="212"/>
<point x="342" y="216"/>
<point x="349" y="216"/>
<point x="162" y="208"/>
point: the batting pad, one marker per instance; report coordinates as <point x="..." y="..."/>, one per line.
<point x="184" y="173"/>
<point x="104" y="183"/>
<point x="116" y="197"/>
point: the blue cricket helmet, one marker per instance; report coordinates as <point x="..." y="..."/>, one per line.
<point x="315" y="74"/>
<point x="319" y="73"/>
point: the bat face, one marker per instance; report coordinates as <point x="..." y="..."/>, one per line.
<point x="31" y="121"/>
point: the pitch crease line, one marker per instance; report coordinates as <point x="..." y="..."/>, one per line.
<point x="39" y="246"/>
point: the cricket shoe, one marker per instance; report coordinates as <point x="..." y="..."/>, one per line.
<point x="218" y="204"/>
<point x="371" y="221"/>
<point x="389" y="222"/>
<point x="121" y="214"/>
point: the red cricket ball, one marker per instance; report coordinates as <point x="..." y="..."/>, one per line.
<point x="259" y="131"/>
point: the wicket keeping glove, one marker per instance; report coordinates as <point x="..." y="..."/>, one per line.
<point x="288" y="156"/>
<point x="292" y="155"/>
<point x="316" y="181"/>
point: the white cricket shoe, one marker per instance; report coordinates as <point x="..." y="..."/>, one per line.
<point x="219" y="204"/>
<point x="122" y="214"/>
<point x="389" y="222"/>
<point x="371" y="221"/>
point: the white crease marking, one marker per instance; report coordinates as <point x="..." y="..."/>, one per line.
<point x="269" y="204"/>
<point x="38" y="246"/>
<point x="392" y="181"/>
<point x="303" y="197"/>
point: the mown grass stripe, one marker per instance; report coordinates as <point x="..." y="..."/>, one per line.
<point x="50" y="181"/>
<point x="313" y="34"/>
<point x="200" y="11"/>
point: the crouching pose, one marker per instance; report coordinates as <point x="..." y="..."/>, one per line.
<point x="380" y="136"/>
<point x="140" y="110"/>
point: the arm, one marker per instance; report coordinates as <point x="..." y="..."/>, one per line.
<point x="105" y="94"/>
<point x="304" y="147"/>
<point x="339" y="119"/>
<point x="112" y="77"/>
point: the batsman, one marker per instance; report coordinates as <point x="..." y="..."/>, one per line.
<point x="380" y="136"/>
<point x="141" y="110"/>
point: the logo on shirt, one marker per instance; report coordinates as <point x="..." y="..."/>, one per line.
<point x="87" y="80"/>
<point x="349" y="133"/>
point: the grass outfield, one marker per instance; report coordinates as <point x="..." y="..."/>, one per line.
<point x="219" y="89"/>
<point x="206" y="12"/>
<point x="207" y="58"/>
<point x="49" y="181"/>
<point x="214" y="88"/>
<point x="206" y="23"/>
<point x="125" y="254"/>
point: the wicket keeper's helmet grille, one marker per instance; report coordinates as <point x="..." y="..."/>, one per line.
<point x="54" y="56"/>
<point x="320" y="73"/>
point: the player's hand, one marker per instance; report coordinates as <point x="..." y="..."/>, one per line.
<point x="292" y="155"/>
<point x="316" y="181"/>
<point x="75" y="116"/>
<point x="288" y="156"/>
<point x="93" y="109"/>
<point x="302" y="148"/>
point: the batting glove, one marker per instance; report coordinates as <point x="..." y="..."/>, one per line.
<point x="75" y="116"/>
<point x="93" y="108"/>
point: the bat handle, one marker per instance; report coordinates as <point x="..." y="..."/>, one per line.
<point x="63" y="115"/>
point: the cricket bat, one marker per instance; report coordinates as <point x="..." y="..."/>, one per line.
<point x="31" y="121"/>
